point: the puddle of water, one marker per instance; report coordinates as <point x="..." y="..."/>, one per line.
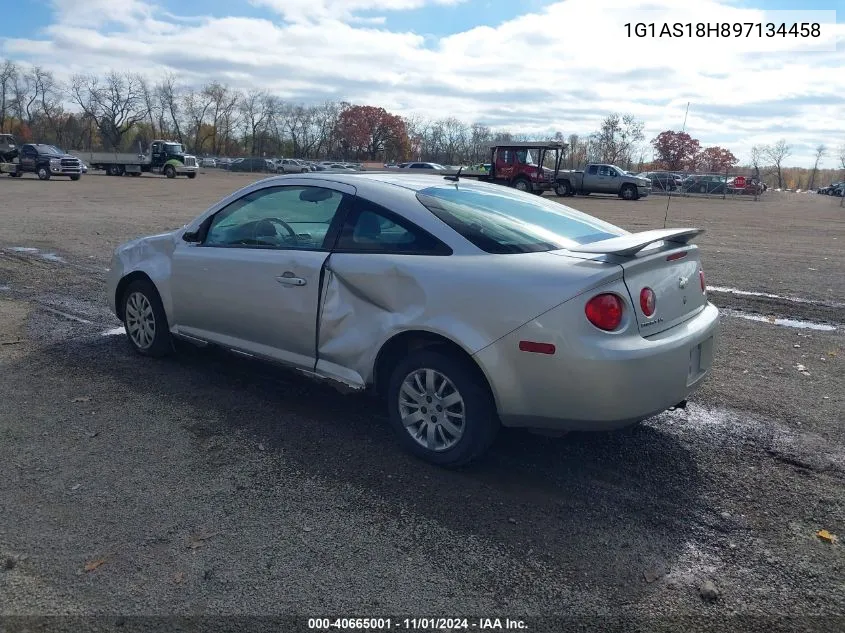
<point x="115" y="331"/>
<point x="23" y="249"/>
<point x="52" y="257"/>
<point x="794" y="323"/>
<point x="768" y="295"/>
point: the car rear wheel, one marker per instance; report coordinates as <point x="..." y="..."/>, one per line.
<point x="440" y="409"/>
<point x="145" y="321"/>
<point x="563" y="189"/>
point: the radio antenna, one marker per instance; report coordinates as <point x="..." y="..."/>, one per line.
<point x="669" y="199"/>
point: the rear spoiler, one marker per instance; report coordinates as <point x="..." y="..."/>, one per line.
<point x="628" y="245"/>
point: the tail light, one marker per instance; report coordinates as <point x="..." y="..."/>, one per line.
<point x="701" y="279"/>
<point x="647" y="301"/>
<point x="604" y="311"/>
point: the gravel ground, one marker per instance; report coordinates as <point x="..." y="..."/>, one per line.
<point x="204" y="484"/>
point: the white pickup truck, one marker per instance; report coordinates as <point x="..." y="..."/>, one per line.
<point x="597" y="178"/>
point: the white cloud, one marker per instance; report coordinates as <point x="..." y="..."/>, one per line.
<point x="559" y="68"/>
<point x="319" y="10"/>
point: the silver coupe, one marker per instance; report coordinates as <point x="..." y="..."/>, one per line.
<point x="464" y="305"/>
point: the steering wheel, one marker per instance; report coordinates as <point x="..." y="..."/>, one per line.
<point x="284" y="225"/>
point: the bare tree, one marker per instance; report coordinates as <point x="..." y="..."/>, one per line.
<point x="253" y="109"/>
<point x="842" y="157"/>
<point x="167" y="92"/>
<point x="756" y="158"/>
<point x="820" y="152"/>
<point x="777" y="153"/>
<point x="223" y="102"/>
<point x="116" y="103"/>
<point x="197" y="106"/>
<point x="152" y="105"/>
<point x="50" y="96"/>
<point x="8" y="78"/>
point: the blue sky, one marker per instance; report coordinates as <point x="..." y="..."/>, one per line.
<point x="531" y="66"/>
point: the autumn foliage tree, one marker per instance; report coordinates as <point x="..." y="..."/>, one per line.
<point x="675" y="150"/>
<point x="716" y="159"/>
<point x="369" y="131"/>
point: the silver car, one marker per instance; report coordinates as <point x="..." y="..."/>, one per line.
<point x="465" y="305"/>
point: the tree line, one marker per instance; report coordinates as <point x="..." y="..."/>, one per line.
<point x="120" y="111"/>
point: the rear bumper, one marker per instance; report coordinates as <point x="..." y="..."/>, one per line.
<point x="596" y="381"/>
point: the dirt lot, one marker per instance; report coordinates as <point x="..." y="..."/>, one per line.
<point x="204" y="484"/>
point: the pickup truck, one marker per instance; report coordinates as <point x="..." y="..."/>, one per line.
<point x="45" y="161"/>
<point x="596" y="178"/>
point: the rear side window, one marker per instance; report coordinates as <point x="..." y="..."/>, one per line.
<point x="370" y="228"/>
<point x="504" y="221"/>
<point x="593" y="170"/>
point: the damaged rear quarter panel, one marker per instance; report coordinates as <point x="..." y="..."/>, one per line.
<point x="472" y="300"/>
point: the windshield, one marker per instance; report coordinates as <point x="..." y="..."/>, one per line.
<point x="51" y="149"/>
<point x="506" y="221"/>
<point x="173" y="148"/>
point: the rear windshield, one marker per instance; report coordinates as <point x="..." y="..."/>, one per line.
<point x="506" y="221"/>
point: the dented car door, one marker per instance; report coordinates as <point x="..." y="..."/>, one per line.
<point x="370" y="288"/>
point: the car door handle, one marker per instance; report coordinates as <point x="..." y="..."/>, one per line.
<point x="289" y="280"/>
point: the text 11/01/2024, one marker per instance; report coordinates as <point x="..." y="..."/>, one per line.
<point x="723" y="29"/>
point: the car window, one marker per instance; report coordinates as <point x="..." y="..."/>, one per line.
<point x="276" y="217"/>
<point x="604" y="170"/>
<point x="372" y="228"/>
<point x="505" y="221"/>
<point x="593" y="170"/>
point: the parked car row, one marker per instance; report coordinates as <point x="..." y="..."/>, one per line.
<point x="834" y="189"/>
<point x="276" y="165"/>
<point x="664" y="181"/>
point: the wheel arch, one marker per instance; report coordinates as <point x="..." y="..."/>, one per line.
<point x="123" y="284"/>
<point x="403" y="343"/>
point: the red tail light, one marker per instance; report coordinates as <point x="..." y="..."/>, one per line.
<point x="701" y="279"/>
<point x="647" y="301"/>
<point x="604" y="311"/>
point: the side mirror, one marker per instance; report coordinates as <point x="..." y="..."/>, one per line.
<point x="192" y="237"/>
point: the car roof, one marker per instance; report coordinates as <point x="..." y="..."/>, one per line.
<point x="414" y="182"/>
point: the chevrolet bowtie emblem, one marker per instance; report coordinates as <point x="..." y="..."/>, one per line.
<point x="682" y="282"/>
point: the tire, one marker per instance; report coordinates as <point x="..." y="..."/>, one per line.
<point x="521" y="184"/>
<point x="75" y="177"/>
<point x="43" y="173"/>
<point x="564" y="189"/>
<point x="480" y="422"/>
<point x="539" y="192"/>
<point x="115" y="170"/>
<point x="192" y="175"/>
<point x="141" y="303"/>
<point x="170" y="171"/>
<point x="628" y="192"/>
<point x="135" y="174"/>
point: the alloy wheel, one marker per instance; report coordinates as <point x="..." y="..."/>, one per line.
<point x="432" y="409"/>
<point x="140" y="320"/>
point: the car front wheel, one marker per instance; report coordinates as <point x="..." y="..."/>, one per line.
<point x="440" y="408"/>
<point x="145" y="321"/>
